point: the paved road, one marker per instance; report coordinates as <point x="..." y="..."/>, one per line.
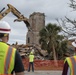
<point x="44" y="73"/>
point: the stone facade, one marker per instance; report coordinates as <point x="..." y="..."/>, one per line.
<point x="37" y="22"/>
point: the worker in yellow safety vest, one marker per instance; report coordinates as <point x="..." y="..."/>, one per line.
<point x="70" y="63"/>
<point x="10" y="60"/>
<point x="31" y="61"/>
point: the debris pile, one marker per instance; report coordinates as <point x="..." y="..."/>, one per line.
<point x="24" y="51"/>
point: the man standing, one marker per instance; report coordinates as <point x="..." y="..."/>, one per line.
<point x="31" y="61"/>
<point x="70" y="63"/>
<point x="10" y="60"/>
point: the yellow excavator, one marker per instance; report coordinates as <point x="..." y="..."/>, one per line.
<point x="16" y="13"/>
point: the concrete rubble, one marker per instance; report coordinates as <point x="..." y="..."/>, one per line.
<point x="24" y="51"/>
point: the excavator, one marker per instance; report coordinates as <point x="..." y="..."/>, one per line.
<point x="16" y="13"/>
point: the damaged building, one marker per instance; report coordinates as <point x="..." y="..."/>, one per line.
<point x="37" y="22"/>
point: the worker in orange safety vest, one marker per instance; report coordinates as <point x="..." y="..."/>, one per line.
<point x="10" y="60"/>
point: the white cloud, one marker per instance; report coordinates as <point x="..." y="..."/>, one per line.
<point x="52" y="8"/>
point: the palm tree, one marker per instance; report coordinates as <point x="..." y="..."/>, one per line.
<point x="49" y="36"/>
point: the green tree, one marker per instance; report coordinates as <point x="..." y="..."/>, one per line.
<point x="61" y="49"/>
<point x="49" y="38"/>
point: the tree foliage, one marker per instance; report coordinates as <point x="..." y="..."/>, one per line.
<point x="51" y="41"/>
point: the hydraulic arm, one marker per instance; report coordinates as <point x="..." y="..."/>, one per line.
<point x="14" y="12"/>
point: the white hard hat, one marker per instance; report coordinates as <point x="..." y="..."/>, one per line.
<point x="74" y="43"/>
<point x="4" y="27"/>
<point x="33" y="50"/>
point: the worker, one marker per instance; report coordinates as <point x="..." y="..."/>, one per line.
<point x="10" y="60"/>
<point x="31" y="61"/>
<point x="70" y="63"/>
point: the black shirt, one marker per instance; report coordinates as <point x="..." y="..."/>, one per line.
<point x="18" y="67"/>
<point x="65" y="68"/>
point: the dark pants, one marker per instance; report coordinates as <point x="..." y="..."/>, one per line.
<point x="31" y="64"/>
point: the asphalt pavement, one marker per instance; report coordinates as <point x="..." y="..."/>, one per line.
<point x="43" y="73"/>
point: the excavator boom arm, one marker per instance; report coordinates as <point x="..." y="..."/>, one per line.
<point x="4" y="13"/>
<point x="14" y="12"/>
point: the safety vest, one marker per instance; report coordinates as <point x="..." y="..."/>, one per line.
<point x="31" y="58"/>
<point x="7" y="58"/>
<point x="72" y="64"/>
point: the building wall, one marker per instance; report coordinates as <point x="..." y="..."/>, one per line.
<point x="37" y="22"/>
